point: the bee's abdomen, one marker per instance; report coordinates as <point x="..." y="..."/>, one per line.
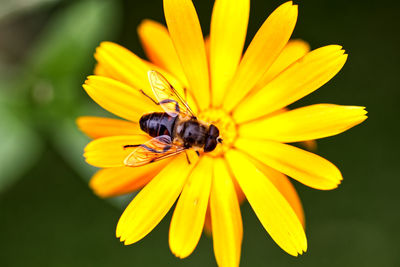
<point x="157" y="123"/>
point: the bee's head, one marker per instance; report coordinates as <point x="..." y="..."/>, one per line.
<point x="212" y="139"/>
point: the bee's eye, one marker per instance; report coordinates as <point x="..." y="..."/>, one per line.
<point x="213" y="131"/>
<point x="210" y="144"/>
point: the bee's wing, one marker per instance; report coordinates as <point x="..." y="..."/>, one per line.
<point x="168" y="98"/>
<point x="153" y="150"/>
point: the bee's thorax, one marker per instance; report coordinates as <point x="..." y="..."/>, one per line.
<point x="185" y="131"/>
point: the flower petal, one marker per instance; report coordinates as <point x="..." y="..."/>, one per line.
<point x="185" y="31"/>
<point x="96" y="127"/>
<point x="306" y="167"/>
<point x="112" y="182"/>
<point x="189" y="215"/>
<point x="294" y="50"/>
<point x="119" y="98"/>
<point x="285" y="187"/>
<point x="207" y="223"/>
<point x="109" y="151"/>
<point x="298" y="80"/>
<point x="306" y="123"/>
<point x="123" y="65"/>
<point x="207" y="46"/>
<point x="271" y="208"/>
<point x="100" y="70"/>
<point x="159" y="48"/>
<point x="265" y="47"/>
<point x="226" y="221"/>
<point x="152" y="203"/>
<point x="227" y="36"/>
<point x="240" y="197"/>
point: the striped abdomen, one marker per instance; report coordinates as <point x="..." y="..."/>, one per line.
<point x="157" y="123"/>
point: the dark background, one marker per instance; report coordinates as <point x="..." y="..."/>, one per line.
<point x="49" y="216"/>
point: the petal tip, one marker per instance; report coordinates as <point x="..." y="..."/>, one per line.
<point x="89" y="79"/>
<point x="288" y="3"/>
<point x="106" y="43"/>
<point x="143" y="25"/>
<point x="292" y="7"/>
<point x="118" y="232"/>
<point x="176" y="254"/>
<point x="146" y="22"/>
<point x="79" y="121"/>
<point x="127" y="243"/>
<point x="93" y="185"/>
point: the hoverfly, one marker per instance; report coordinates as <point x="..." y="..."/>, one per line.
<point x="173" y="131"/>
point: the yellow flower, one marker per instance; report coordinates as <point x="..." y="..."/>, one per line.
<point x="245" y="96"/>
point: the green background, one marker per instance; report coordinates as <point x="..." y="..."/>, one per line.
<point x="49" y="216"/>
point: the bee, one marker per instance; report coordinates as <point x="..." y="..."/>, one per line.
<point x="173" y="131"/>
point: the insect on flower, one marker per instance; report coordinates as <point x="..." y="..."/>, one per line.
<point x="192" y="93"/>
<point x="174" y="130"/>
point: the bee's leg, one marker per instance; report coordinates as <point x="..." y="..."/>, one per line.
<point x="198" y="153"/>
<point x="146" y="95"/>
<point x="187" y="158"/>
<point x="127" y="146"/>
<point x="165" y="101"/>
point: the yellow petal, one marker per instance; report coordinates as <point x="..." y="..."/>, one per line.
<point x="96" y="127"/>
<point x="266" y="46"/>
<point x="310" y="145"/>
<point x="99" y="70"/>
<point x="109" y="151"/>
<point x="227" y="229"/>
<point x="285" y="187"/>
<point x="119" y="98"/>
<point x="271" y="208"/>
<point x="207" y="223"/>
<point x="240" y="197"/>
<point x="112" y="182"/>
<point x="227" y="35"/>
<point x="294" y="50"/>
<point x="152" y="203"/>
<point x="298" y="80"/>
<point x="124" y="66"/>
<point x="306" y="167"/>
<point x="207" y="46"/>
<point x="159" y="48"/>
<point x="189" y="215"/>
<point x="306" y="123"/>
<point x="186" y="35"/>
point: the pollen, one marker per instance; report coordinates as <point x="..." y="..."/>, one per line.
<point x="226" y="125"/>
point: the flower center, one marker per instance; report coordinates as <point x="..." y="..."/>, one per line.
<point x="226" y="126"/>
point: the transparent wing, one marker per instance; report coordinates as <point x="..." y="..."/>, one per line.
<point x="167" y="97"/>
<point x="153" y="150"/>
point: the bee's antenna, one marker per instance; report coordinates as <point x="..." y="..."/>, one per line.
<point x="219" y="140"/>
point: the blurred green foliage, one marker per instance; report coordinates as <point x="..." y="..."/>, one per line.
<point x="19" y="149"/>
<point x="10" y="8"/>
<point x="50" y="217"/>
<point x="48" y="98"/>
